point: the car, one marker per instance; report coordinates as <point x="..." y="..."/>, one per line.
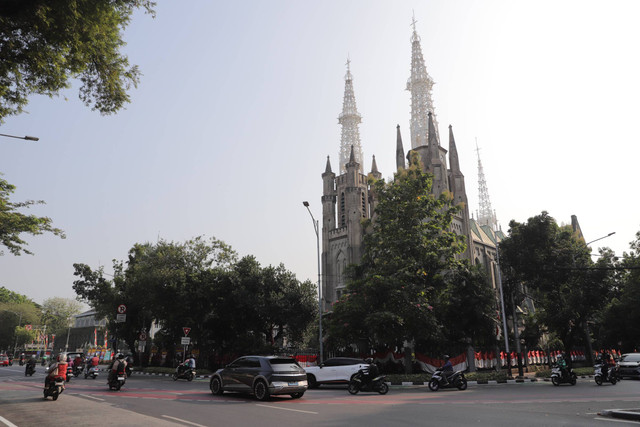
<point x="335" y="370"/>
<point x="4" y="360"/>
<point x="261" y="376"/>
<point x="629" y="365"/>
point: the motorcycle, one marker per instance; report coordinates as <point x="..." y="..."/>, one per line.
<point x="77" y="370"/>
<point x="55" y="388"/>
<point x="30" y="369"/>
<point x="117" y="380"/>
<point x="608" y="375"/>
<point x="558" y="378"/>
<point x="456" y="379"/>
<point x="69" y="372"/>
<point x="357" y="384"/>
<point x="21" y="361"/>
<point x="128" y="370"/>
<point x="91" y="372"/>
<point x="184" y="373"/>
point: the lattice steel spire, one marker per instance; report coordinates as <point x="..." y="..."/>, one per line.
<point x="420" y="85"/>
<point x="349" y="119"/>
<point x="486" y="216"/>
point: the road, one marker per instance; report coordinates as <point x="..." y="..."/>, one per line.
<point x="159" y="401"/>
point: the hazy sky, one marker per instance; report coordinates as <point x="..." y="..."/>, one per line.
<point x="229" y="129"/>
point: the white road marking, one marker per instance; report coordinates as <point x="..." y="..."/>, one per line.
<point x="183" y="421"/>
<point x="616" y="421"/>
<point x="91" y="397"/>
<point x="7" y="422"/>
<point x="288" y="409"/>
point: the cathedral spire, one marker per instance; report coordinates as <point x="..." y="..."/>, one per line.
<point x="486" y="216"/>
<point x="420" y="85"/>
<point x="349" y="119"/>
<point x="399" y="150"/>
<point x="328" y="168"/>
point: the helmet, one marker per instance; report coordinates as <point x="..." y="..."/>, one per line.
<point x="62" y="357"/>
<point x="33" y="356"/>
<point x="368" y="360"/>
<point x="119" y="356"/>
<point x="446" y="357"/>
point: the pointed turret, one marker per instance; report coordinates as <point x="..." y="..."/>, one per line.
<point x="456" y="182"/>
<point x="399" y="150"/>
<point x="454" y="162"/>
<point x="374" y="169"/>
<point x="328" y="168"/>
<point x="349" y="119"/>
<point x="433" y="152"/>
<point x="420" y="84"/>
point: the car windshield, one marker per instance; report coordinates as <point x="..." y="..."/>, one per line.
<point x="284" y="364"/>
<point x="631" y="357"/>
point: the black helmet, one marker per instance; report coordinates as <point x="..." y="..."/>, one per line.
<point x="368" y="360"/>
<point x="446" y="357"/>
<point x="120" y="356"/>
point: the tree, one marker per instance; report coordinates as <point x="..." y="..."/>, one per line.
<point x="14" y="223"/>
<point x="13" y="316"/>
<point x="45" y="43"/>
<point x="57" y="314"/>
<point x="407" y="251"/>
<point x="618" y="322"/>
<point x="556" y="268"/>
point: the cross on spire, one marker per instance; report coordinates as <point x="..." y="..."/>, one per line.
<point x="413" y="20"/>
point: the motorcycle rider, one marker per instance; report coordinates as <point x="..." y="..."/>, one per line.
<point x="562" y="364"/>
<point x="370" y="372"/>
<point x="606" y="361"/>
<point x="119" y="365"/>
<point x="21" y="359"/>
<point x="57" y="369"/>
<point x="188" y="364"/>
<point x="93" y="363"/>
<point x="77" y="364"/>
<point x="447" y="369"/>
<point x="31" y="363"/>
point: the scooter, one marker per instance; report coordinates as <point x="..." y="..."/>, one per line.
<point x="77" y="370"/>
<point x="608" y="375"/>
<point x="184" y="373"/>
<point x="30" y="369"/>
<point x="91" y="372"/>
<point x="118" y="380"/>
<point x="558" y="378"/>
<point x="457" y="380"/>
<point x="55" y="388"/>
<point x="357" y="384"/>
<point x="69" y="372"/>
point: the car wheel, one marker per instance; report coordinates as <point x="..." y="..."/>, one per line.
<point x="434" y="385"/>
<point x="311" y="379"/>
<point x="555" y="380"/>
<point x="383" y="389"/>
<point x="261" y="391"/>
<point x="462" y="385"/>
<point x="216" y="386"/>
<point x="297" y="395"/>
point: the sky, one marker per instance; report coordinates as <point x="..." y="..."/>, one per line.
<point x="229" y="129"/>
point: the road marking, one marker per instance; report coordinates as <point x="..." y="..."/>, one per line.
<point x="183" y="421"/>
<point x="616" y="421"/>
<point x="288" y="409"/>
<point x="91" y="397"/>
<point x="7" y="422"/>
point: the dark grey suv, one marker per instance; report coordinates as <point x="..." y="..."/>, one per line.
<point x="261" y="376"/>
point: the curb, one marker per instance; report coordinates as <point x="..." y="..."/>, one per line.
<point x="625" y="414"/>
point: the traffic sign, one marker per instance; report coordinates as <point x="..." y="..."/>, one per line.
<point x="186" y="331"/>
<point x="142" y="336"/>
<point x="122" y="309"/>
<point x="185" y="341"/>
<point x="121" y="318"/>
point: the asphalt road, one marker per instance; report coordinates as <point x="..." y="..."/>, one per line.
<point x="158" y="401"/>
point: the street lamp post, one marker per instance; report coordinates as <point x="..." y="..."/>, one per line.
<point x="316" y="227"/>
<point x="26" y="138"/>
<point x="587" y="332"/>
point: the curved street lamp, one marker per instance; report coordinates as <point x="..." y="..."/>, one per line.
<point x="316" y="227"/>
<point x="26" y="138"/>
<point x="600" y="238"/>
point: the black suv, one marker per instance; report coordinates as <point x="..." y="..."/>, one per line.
<point x="261" y="376"/>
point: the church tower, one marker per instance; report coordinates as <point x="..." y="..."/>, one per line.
<point x="345" y="202"/>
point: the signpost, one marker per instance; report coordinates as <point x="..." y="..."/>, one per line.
<point x="185" y="341"/>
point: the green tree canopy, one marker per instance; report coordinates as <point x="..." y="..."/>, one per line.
<point x="15" y="311"/>
<point x="45" y="43"/>
<point x="14" y="223"/>
<point x="407" y="250"/>
<point x="556" y="268"/>
<point x="57" y="314"/>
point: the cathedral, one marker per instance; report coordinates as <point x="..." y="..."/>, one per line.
<point x="346" y="196"/>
